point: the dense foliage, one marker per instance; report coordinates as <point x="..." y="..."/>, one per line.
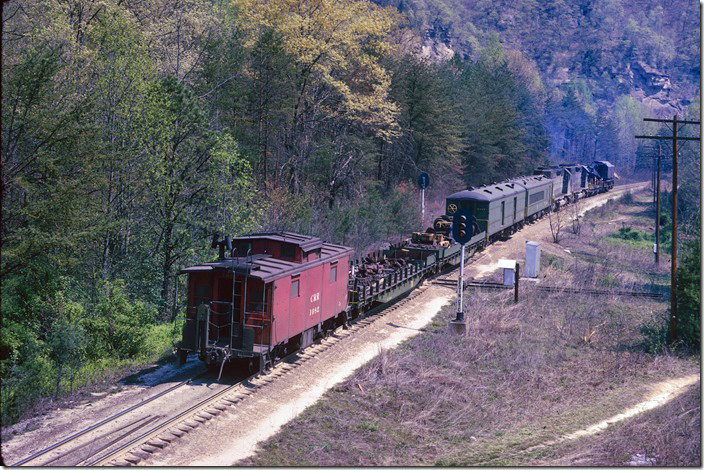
<point x="134" y="131"/>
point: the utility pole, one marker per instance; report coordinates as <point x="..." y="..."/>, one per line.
<point x="657" y="210"/>
<point x="673" y="274"/>
<point x="652" y="178"/>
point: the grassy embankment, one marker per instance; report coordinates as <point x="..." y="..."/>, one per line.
<point x="525" y="374"/>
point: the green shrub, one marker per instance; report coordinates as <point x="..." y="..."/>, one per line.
<point x="157" y="340"/>
<point x="665" y="218"/>
<point x="627" y="233"/>
<point x="28" y="373"/>
<point x="689" y="295"/>
<point x="655" y="335"/>
<point x="118" y="327"/>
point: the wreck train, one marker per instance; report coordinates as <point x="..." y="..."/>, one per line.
<point x="271" y="294"/>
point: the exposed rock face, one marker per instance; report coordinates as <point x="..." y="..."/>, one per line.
<point x="435" y="43"/>
<point x="647" y="49"/>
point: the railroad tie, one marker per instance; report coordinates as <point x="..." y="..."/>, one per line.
<point x="169" y="436"/>
<point x="150" y="449"/>
<point x="131" y="458"/>
<point x="203" y="415"/>
<point x="142" y="455"/>
<point x="158" y="442"/>
<point x="121" y="463"/>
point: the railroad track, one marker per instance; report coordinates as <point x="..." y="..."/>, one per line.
<point x="566" y="290"/>
<point x="141" y="447"/>
<point x="101" y="424"/>
<point x="160" y="436"/>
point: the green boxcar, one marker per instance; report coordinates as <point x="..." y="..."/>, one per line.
<point x="538" y="193"/>
<point x="496" y="206"/>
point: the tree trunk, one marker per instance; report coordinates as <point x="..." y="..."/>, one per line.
<point x="381" y="159"/>
<point x="58" y="380"/>
<point x="166" y="271"/>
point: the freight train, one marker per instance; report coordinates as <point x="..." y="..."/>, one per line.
<point x="270" y="294"/>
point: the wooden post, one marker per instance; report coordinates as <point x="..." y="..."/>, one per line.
<point x="515" y="284"/>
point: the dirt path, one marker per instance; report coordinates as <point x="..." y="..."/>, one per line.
<point x="661" y="393"/>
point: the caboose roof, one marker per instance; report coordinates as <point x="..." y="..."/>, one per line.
<point x="305" y="242"/>
<point x="268" y="268"/>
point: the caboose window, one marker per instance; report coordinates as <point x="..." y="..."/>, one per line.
<point x="288" y="251"/>
<point x="333" y="273"/>
<point x="295" y="288"/>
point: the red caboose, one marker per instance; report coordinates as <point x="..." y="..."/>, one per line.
<point x="275" y="293"/>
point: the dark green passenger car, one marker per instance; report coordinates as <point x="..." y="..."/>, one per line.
<point x="496" y="207"/>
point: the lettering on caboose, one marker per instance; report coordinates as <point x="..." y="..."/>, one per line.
<point x="315" y="310"/>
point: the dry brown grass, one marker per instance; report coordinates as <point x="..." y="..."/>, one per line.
<point x="525" y="374"/>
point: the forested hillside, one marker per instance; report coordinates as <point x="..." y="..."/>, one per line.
<point x="604" y="63"/>
<point x="133" y="131"/>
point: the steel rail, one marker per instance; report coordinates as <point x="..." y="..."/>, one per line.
<point x="85" y="444"/>
<point x="107" y="420"/>
<point x="165" y="424"/>
<point x="119" y="438"/>
<point x="568" y="290"/>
